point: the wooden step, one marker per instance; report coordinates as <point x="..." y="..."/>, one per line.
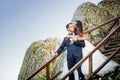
<point x="109" y="50"/>
<point x="115" y="40"/>
<point x="110" y="53"/>
<point x="116" y="60"/>
<point x="113" y="43"/>
<point x="114" y="46"/>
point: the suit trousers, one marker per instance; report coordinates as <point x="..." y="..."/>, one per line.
<point x="71" y="61"/>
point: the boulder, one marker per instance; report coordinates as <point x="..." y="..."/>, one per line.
<point x="91" y="16"/>
<point x="112" y="6"/>
<point x="38" y="54"/>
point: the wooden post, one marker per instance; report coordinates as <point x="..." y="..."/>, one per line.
<point x="48" y="72"/>
<point x="90" y="37"/>
<point x="116" y="34"/>
<point x="90" y="65"/>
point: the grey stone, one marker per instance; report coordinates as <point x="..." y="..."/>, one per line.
<point x="38" y="54"/>
<point x="91" y="16"/>
<point x="112" y="6"/>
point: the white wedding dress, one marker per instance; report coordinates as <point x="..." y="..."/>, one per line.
<point x="98" y="59"/>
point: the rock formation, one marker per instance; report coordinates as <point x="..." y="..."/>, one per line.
<point x="91" y="16"/>
<point x="112" y="6"/>
<point x="37" y="54"/>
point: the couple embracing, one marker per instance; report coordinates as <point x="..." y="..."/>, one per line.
<point x="77" y="48"/>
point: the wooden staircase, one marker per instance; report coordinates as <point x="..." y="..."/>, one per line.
<point x="111" y="47"/>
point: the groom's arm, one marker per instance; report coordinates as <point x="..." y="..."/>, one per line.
<point x="80" y="43"/>
<point x="61" y="47"/>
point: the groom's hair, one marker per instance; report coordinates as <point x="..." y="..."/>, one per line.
<point x="67" y="26"/>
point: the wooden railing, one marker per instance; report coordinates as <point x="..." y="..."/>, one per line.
<point x="115" y="22"/>
<point x="47" y="65"/>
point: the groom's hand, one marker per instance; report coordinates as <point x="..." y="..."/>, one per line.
<point x="55" y="54"/>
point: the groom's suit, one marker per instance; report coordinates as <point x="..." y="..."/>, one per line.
<point x="74" y="54"/>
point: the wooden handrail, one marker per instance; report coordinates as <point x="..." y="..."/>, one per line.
<point x="115" y="19"/>
<point x="52" y="59"/>
<point x="90" y="31"/>
<point x="91" y="53"/>
<point x="44" y="66"/>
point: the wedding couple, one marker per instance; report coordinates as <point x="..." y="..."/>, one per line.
<point x="78" y="48"/>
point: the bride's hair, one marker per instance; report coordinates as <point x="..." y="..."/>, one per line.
<point x="79" y="28"/>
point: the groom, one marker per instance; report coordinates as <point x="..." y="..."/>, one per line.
<point x="74" y="52"/>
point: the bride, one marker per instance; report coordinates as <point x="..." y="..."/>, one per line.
<point x="98" y="57"/>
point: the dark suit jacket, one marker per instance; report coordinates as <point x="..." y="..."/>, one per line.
<point x="74" y="49"/>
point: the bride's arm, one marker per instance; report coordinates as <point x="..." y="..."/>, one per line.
<point x="80" y="38"/>
<point x="79" y="41"/>
<point x="75" y="37"/>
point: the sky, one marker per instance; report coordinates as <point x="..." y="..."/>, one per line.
<point x="25" y="21"/>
